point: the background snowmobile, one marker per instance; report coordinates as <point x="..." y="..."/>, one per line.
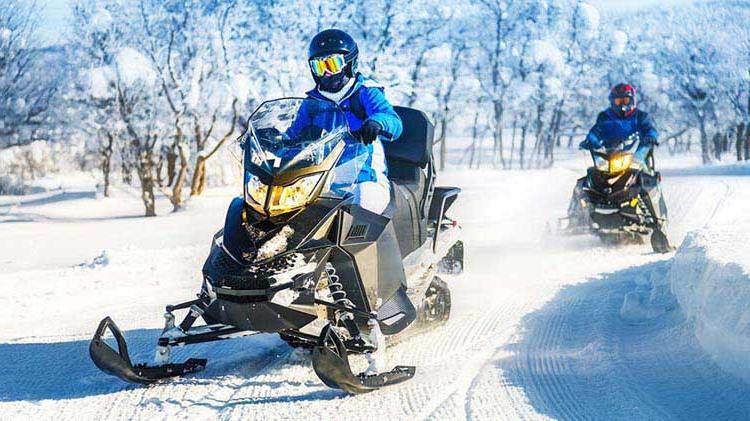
<point x="619" y="198"/>
<point x="298" y="258"/>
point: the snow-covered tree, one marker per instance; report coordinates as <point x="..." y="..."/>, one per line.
<point x="26" y="88"/>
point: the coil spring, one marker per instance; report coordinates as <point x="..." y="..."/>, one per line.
<point x="337" y="289"/>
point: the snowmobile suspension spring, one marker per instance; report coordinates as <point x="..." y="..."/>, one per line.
<point x="337" y="289"/>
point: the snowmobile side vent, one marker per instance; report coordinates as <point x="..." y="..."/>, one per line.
<point x="357" y="232"/>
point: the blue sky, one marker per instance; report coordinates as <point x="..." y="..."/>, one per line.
<point x="55" y="13"/>
<point x="54" y="16"/>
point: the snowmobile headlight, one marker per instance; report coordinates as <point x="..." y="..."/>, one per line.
<point x="620" y="163"/>
<point x="601" y="164"/>
<point x="255" y="190"/>
<point x="295" y="195"/>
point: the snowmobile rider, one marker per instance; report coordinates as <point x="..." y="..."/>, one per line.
<point x="621" y="120"/>
<point x="332" y="57"/>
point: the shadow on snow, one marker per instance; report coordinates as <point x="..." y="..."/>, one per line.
<point x="587" y="354"/>
<point x="63" y="370"/>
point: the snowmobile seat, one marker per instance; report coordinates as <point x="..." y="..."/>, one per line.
<point x="409" y="159"/>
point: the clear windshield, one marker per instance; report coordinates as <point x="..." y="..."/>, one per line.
<point x="290" y="134"/>
<point x="627" y="143"/>
<point x="618" y="138"/>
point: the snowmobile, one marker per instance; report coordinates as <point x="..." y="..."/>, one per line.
<point x="297" y="257"/>
<point x="619" y="198"/>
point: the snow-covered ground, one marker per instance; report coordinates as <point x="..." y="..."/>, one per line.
<point x="542" y="326"/>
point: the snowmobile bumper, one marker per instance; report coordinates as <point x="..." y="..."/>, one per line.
<point x="118" y="364"/>
<point x="331" y="364"/>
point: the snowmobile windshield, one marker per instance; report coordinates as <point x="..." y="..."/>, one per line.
<point x="296" y="150"/>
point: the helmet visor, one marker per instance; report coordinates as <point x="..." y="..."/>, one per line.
<point x="623" y="100"/>
<point x="333" y="64"/>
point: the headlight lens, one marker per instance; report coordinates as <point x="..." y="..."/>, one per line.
<point x="256" y="190"/>
<point x="620" y="163"/>
<point x="293" y="196"/>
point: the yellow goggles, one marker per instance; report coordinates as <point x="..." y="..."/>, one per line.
<point x="622" y="100"/>
<point x="332" y="64"/>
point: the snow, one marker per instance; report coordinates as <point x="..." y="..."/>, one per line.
<point x="649" y="81"/>
<point x="275" y="245"/>
<point x="619" y="43"/>
<point x="194" y="96"/>
<point x="542" y="326"/>
<point x="712" y="282"/>
<point x="134" y="68"/>
<point x="5" y="35"/>
<point x="589" y="20"/>
<point x="710" y="277"/>
<point x="543" y="53"/>
<point x="242" y="88"/>
<point x="100" y="79"/>
<point x="101" y="20"/>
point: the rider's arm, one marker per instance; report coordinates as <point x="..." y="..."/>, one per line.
<point x="300" y="123"/>
<point x="648" y="135"/>
<point x="380" y="110"/>
<point x="646" y="129"/>
<point x="594" y="137"/>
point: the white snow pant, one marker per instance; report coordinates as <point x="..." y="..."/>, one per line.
<point x="373" y="196"/>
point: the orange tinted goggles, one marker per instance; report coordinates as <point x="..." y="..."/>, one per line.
<point x="625" y="100"/>
<point x="332" y="64"/>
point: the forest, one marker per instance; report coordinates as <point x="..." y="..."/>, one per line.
<point x="152" y="93"/>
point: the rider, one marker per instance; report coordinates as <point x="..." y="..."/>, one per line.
<point x="332" y="57"/>
<point x="623" y="117"/>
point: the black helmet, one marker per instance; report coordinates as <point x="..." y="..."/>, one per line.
<point x="332" y="41"/>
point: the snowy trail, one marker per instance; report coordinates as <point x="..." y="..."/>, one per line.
<point x="541" y="327"/>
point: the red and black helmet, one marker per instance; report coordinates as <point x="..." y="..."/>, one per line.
<point x="622" y="99"/>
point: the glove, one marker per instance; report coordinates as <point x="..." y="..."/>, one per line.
<point x="590" y="143"/>
<point x="650" y="140"/>
<point x="368" y="132"/>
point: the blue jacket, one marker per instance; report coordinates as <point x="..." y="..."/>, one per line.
<point x="611" y="129"/>
<point x="371" y="104"/>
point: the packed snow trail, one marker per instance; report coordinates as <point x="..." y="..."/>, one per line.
<point x="542" y="326"/>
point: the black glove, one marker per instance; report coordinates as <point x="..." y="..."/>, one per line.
<point x="649" y="140"/>
<point x="368" y="132"/>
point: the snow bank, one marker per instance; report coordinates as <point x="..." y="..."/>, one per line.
<point x="710" y="277"/>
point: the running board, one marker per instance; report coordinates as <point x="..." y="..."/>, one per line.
<point x="118" y="364"/>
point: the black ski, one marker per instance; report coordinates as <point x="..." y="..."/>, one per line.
<point x="118" y="364"/>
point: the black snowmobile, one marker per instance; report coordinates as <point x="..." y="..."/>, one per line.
<point x="297" y="257"/>
<point x="619" y="199"/>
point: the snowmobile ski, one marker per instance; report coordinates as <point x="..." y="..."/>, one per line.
<point x="118" y="364"/>
<point x="331" y="364"/>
